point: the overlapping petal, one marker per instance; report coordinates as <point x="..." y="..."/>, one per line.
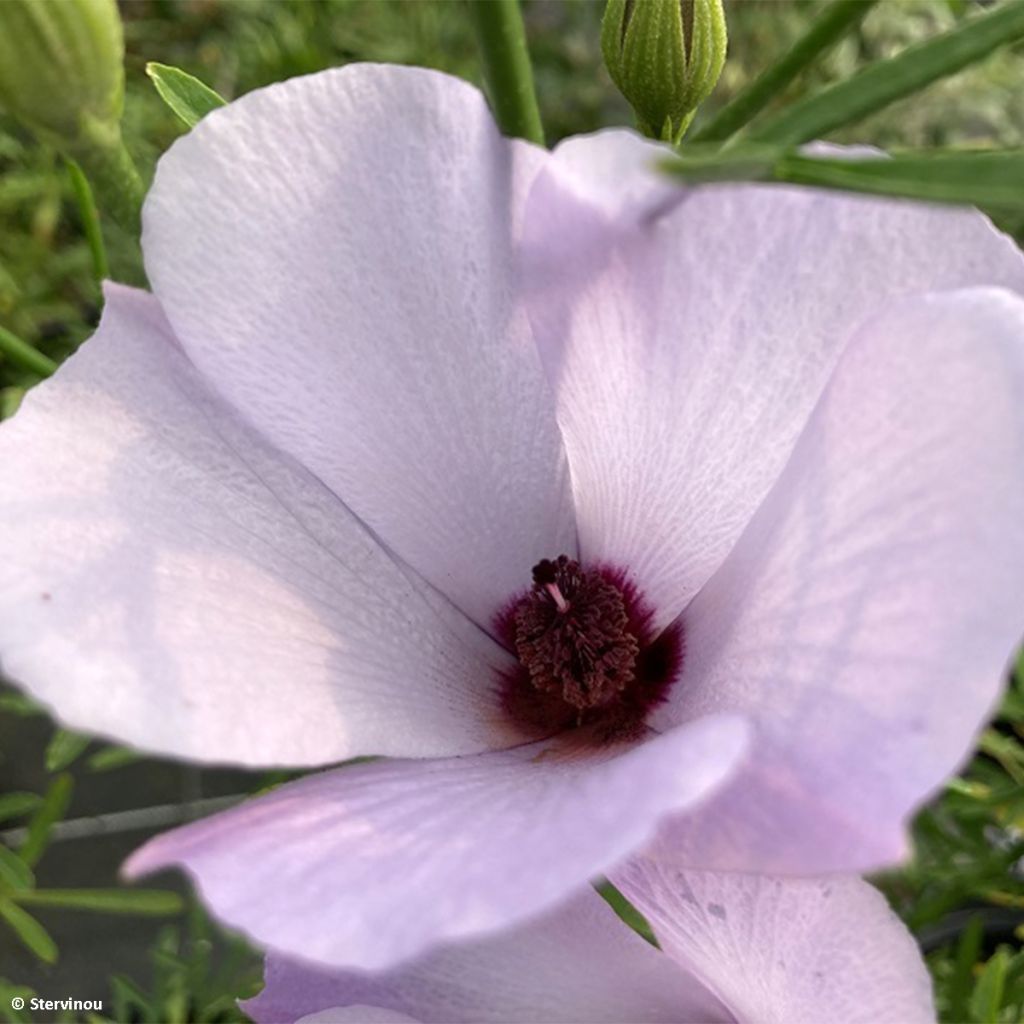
<point x="785" y="951"/>
<point x="734" y="948"/>
<point x="576" y="964"/>
<point x="350" y="236"/>
<point x="369" y="865"/>
<point x="688" y="340"/>
<point x="865" y="618"/>
<point x="168" y="578"/>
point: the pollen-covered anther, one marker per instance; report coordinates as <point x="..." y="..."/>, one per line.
<point x="572" y="635"/>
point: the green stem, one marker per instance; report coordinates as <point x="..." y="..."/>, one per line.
<point x="110" y="901"/>
<point x="90" y="220"/>
<point x="506" y="66"/>
<point x="825" y="31"/>
<point x="22" y="353"/>
<point x="111" y="172"/>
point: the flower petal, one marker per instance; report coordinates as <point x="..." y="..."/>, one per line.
<point x="865" y="618"/>
<point x="350" y="237"/>
<point x="369" y="865"/>
<point x="785" y="951"/>
<point x="687" y="348"/>
<point x="577" y="964"/>
<point x="357" y="1015"/>
<point x="170" y="579"/>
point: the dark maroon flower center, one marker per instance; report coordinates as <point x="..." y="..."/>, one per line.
<point x="587" y="653"/>
<point x="572" y="635"/>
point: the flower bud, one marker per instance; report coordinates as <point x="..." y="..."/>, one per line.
<point x="61" y="68"/>
<point x="665" y="56"/>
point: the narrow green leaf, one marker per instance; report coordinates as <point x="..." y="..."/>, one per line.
<point x="962" y="981"/>
<point x="1007" y="751"/>
<point x="35" y="937"/>
<point x="189" y="98"/>
<point x="702" y="164"/>
<point x="168" y="958"/>
<point x="885" y="81"/>
<point x="14" y="805"/>
<point x="64" y="748"/>
<point x="9" y="991"/>
<point x="15" y="874"/>
<point x="986" y="178"/>
<point x="108" y="758"/>
<point x="19" y="704"/>
<point x="981" y="178"/>
<point x="130" y="1002"/>
<point x="10" y="400"/>
<point x="626" y="911"/>
<point x="987" y="996"/>
<point x="108" y="901"/>
<point x="836" y="20"/>
<point x="24" y="355"/>
<point x="90" y="216"/>
<point x="51" y="810"/>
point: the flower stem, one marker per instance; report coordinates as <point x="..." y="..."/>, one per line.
<point x="838" y="18"/>
<point x="22" y="353"/>
<point x="506" y="66"/>
<point x="111" y="172"/>
<point x="90" y="220"/>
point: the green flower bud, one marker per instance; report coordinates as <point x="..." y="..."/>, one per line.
<point x="61" y="69"/>
<point x="665" y="56"/>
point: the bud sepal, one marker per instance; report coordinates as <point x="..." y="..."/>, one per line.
<point x="665" y="56"/>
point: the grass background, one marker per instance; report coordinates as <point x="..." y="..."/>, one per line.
<point x="963" y="895"/>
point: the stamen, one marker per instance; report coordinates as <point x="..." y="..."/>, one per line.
<point x="588" y="657"/>
<point x="581" y="649"/>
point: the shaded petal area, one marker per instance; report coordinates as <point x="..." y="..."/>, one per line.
<point x="735" y="948"/>
<point x="865" y="618"/>
<point x="369" y="865"/>
<point x="170" y="579"/>
<point x="350" y="236"/>
<point x="785" y="951"/>
<point x="688" y="339"/>
<point x="578" y="964"/>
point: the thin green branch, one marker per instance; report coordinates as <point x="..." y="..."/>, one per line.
<point x="110" y="901"/>
<point x="22" y="353"/>
<point x="506" y="67"/>
<point x="834" y="22"/>
<point x="90" y="220"/>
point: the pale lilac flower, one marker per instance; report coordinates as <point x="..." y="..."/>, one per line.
<point x="285" y="512"/>
<point x="736" y="948"/>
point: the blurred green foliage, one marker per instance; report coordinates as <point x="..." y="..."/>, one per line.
<point x="188" y="984"/>
<point x="963" y="894"/>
